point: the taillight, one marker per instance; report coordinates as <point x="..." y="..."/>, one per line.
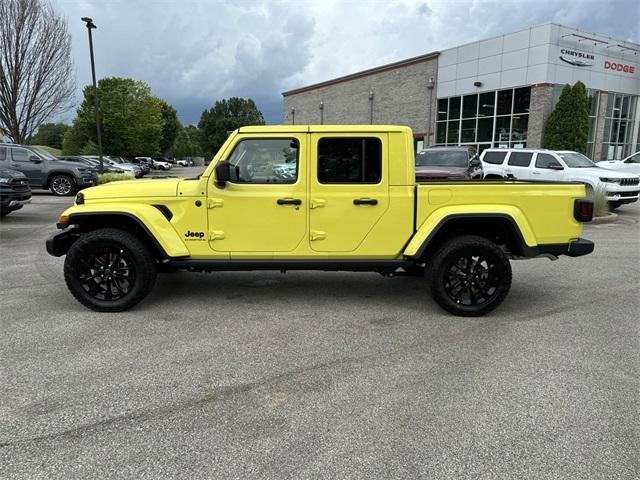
<point x="583" y="210"/>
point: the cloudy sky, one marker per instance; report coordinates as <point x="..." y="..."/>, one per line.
<point x="194" y="52"/>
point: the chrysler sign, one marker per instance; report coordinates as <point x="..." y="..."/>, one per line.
<point x="574" y="57"/>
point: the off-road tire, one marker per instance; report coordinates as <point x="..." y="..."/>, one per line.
<point x="62" y="185"/>
<point x="445" y="261"/>
<point x="138" y="259"/>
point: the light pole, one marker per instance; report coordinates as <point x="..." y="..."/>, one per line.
<point x="91" y="26"/>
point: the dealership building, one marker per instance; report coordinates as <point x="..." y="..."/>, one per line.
<point x="496" y="92"/>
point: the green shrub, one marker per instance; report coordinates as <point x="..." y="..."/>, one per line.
<point x="112" y="177"/>
<point x="599" y="199"/>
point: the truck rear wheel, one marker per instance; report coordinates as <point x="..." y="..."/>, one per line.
<point x="109" y="270"/>
<point x="470" y="276"/>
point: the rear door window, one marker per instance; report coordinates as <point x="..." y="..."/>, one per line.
<point x="520" y="159"/>
<point x="495" y="158"/>
<point x="19" y="154"/>
<point x="350" y="160"/>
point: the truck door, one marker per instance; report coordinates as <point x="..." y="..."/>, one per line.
<point x="348" y="189"/>
<point x="263" y="208"/>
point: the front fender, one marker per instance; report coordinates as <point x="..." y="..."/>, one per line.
<point x="434" y="221"/>
<point x="147" y="216"/>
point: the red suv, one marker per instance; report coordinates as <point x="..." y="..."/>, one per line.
<point x="458" y="163"/>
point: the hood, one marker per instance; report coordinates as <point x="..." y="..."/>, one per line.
<point x="158" y="187"/>
<point x="441" y="172"/>
<point x="70" y="164"/>
<point x="600" y="172"/>
<point x="6" y="172"/>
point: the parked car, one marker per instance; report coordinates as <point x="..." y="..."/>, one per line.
<point x="94" y="164"/>
<point x="448" y="163"/>
<point x="161" y="164"/>
<point x="631" y="164"/>
<point x="14" y="190"/>
<point x="126" y="168"/>
<point x="360" y="210"/>
<point x="560" y="166"/>
<point x="43" y="170"/>
<point x="142" y="163"/>
<point x="182" y="163"/>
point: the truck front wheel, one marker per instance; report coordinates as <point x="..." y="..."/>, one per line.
<point x="470" y="276"/>
<point x="109" y="270"/>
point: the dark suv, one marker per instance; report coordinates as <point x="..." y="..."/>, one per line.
<point x="14" y="191"/>
<point x="43" y="170"/>
<point x="457" y="163"/>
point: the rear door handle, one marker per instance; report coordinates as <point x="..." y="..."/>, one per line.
<point x="365" y="201"/>
<point x="289" y="201"/>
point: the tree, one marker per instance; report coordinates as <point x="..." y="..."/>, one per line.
<point x="50" y="134"/>
<point x="36" y="75"/>
<point x="224" y="116"/>
<point x="170" y="128"/>
<point x="132" y="120"/>
<point x="568" y="125"/>
<point x="186" y="143"/>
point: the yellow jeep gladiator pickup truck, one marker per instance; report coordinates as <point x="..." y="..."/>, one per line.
<point x="300" y="197"/>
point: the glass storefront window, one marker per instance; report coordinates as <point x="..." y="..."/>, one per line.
<point x="618" y="126"/>
<point x="487" y="119"/>
<point x="504" y="102"/>
<point x="521" y="97"/>
<point x="503" y="127"/>
<point x="453" y="128"/>
<point x="454" y="108"/>
<point x="469" y="106"/>
<point x="468" y="132"/>
<point x="486" y="104"/>
<point x="485" y="129"/>
<point x="442" y="108"/>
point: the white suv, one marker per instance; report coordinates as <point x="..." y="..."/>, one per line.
<point x="560" y="166"/>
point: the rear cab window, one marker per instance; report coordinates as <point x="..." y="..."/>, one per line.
<point x="520" y="159"/>
<point x="495" y="158"/>
<point x="350" y="160"/>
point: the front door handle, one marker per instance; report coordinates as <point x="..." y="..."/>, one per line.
<point x="365" y="201"/>
<point x="289" y="201"/>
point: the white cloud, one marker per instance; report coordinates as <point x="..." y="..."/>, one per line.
<point x="193" y="53"/>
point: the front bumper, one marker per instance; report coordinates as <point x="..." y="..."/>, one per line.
<point x="14" y="200"/>
<point x="59" y="243"/>
<point x="577" y="248"/>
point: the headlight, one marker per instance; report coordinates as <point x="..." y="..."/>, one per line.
<point x="609" y="180"/>
<point x="5" y="180"/>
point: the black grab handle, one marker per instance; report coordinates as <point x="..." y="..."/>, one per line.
<point x="289" y="201"/>
<point x="365" y="201"/>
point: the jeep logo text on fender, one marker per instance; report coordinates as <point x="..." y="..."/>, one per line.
<point x="190" y="234"/>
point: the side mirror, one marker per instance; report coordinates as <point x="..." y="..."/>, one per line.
<point x="475" y="162"/>
<point x="35" y="159"/>
<point x="223" y="173"/>
<point x="556" y="166"/>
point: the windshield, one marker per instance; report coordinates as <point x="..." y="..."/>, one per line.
<point x="441" y="158"/>
<point x="43" y="153"/>
<point x="576" y="160"/>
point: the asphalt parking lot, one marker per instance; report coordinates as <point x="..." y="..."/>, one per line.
<point x="321" y="375"/>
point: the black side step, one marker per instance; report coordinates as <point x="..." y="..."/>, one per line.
<point x="321" y="265"/>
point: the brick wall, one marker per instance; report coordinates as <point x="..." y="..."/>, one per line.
<point x="400" y="97"/>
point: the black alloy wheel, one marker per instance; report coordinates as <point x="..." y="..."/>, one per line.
<point x="470" y="276"/>
<point x="109" y="270"/>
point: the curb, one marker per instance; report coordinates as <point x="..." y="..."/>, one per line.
<point x="609" y="218"/>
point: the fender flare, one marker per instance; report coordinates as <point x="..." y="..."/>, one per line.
<point x="149" y="218"/>
<point x="438" y="220"/>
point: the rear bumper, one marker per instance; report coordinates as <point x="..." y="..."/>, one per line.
<point x="576" y="248"/>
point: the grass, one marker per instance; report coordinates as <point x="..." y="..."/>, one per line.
<point x="112" y="177"/>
